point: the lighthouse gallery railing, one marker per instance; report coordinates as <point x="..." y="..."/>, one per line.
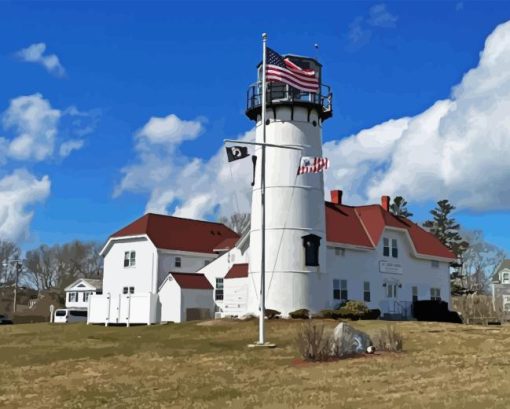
<point x="281" y="93"/>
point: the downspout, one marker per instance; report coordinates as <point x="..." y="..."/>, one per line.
<point x="154" y="295"/>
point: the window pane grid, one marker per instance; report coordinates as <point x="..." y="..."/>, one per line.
<point x="366" y="291"/>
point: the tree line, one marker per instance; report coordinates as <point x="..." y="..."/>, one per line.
<point x="50" y="267"/>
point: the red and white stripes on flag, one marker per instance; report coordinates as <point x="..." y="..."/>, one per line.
<point x="283" y="70"/>
<point x="312" y="165"/>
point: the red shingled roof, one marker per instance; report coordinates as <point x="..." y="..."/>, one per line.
<point x="238" y="271"/>
<point x="175" y="233"/>
<point x="364" y="225"/>
<point x="227" y="244"/>
<point x="194" y="281"/>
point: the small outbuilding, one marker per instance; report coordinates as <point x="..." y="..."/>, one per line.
<point x="186" y="297"/>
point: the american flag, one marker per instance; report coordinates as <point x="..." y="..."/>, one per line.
<point x="312" y="165"/>
<point x="283" y="70"/>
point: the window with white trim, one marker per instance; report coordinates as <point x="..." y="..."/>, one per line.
<point x="390" y="249"/>
<point x="128" y="290"/>
<point x="73" y="297"/>
<point x="129" y="258"/>
<point x="336" y="289"/>
<point x="343" y="290"/>
<point x="366" y="291"/>
<point x="394" y="248"/>
<point x="506" y="303"/>
<point x="86" y="295"/>
<point x="386" y="247"/>
<point x="218" y="291"/>
<point x="435" y="294"/>
<point x="178" y="262"/>
<point x="505" y="278"/>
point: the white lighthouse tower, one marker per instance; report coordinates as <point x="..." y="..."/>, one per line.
<point x="295" y="239"/>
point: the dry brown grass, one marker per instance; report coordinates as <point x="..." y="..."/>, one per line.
<point x="388" y="339"/>
<point x="197" y="366"/>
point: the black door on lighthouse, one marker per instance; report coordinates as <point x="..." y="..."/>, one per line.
<point x="311" y="244"/>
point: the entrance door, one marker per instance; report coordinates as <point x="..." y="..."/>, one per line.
<point x="392" y="297"/>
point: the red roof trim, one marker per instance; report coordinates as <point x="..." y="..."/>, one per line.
<point x="194" y="281"/>
<point x="238" y="271"/>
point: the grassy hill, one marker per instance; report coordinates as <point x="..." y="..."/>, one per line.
<point x="207" y="365"/>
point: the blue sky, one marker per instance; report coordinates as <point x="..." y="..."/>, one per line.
<point x="122" y="63"/>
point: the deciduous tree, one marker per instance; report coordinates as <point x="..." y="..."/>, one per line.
<point x="8" y="251"/>
<point x="236" y="221"/>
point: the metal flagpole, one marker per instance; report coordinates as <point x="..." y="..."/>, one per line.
<point x="263" y="199"/>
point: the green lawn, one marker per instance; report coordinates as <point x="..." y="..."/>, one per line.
<point x="209" y="366"/>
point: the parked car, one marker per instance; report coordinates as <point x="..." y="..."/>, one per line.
<point x="4" y="320"/>
<point x="68" y="316"/>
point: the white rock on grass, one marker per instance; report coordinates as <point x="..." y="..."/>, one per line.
<point x="348" y="341"/>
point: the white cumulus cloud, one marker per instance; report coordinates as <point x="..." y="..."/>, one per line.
<point x="169" y="129"/>
<point x="196" y="187"/>
<point x="68" y="146"/>
<point x="35" y="123"/>
<point x="456" y="149"/>
<point x="35" y="126"/>
<point x="18" y="192"/>
<point x="35" y="54"/>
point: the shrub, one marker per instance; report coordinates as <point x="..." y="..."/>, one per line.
<point x="433" y="310"/>
<point x="271" y="314"/>
<point x="372" y="314"/>
<point x="334" y="314"/>
<point x="355" y="307"/>
<point x="351" y="313"/>
<point x="303" y="314"/>
<point x="388" y="339"/>
<point x="314" y="343"/>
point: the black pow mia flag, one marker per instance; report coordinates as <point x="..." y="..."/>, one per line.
<point x="236" y="152"/>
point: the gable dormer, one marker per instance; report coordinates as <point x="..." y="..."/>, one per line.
<point x="502" y="274"/>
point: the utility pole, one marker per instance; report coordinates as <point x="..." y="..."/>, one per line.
<point x="19" y="269"/>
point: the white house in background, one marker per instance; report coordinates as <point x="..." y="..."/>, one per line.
<point x="501" y="285"/>
<point x="317" y="254"/>
<point x="78" y="293"/>
<point x="139" y="258"/>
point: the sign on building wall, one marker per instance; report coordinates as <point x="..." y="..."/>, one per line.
<point x="389" y="267"/>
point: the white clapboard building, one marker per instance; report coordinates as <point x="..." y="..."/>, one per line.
<point x="318" y="253"/>
<point x="145" y="267"/>
<point x="78" y="293"/>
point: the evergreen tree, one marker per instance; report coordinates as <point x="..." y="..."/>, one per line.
<point x="446" y="228"/>
<point x="399" y="207"/>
